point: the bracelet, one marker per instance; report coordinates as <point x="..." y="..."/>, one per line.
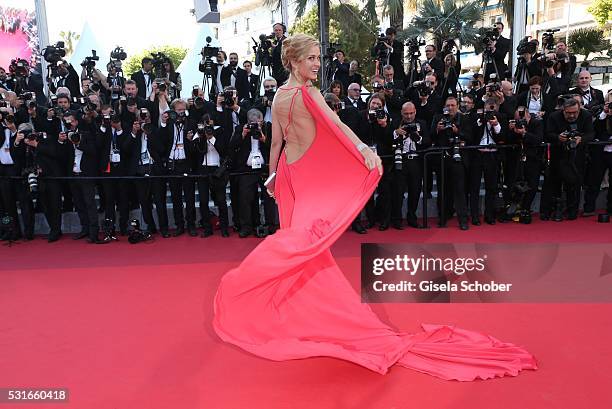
<point x="361" y="146"/>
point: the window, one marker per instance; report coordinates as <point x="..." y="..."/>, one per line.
<point x="272" y="20"/>
<point x="495" y="19"/>
<point x="247" y="23"/>
<point x="235" y="27"/>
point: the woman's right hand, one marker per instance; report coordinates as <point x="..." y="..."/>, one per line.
<point x="372" y="160"/>
<point x="270" y="189"/>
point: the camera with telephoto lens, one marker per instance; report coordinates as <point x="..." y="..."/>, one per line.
<point x="446" y="120"/>
<point x="522" y="121"/>
<point x="19" y="67"/>
<point x="135" y="234"/>
<point x="33" y="136"/>
<point x="31" y="176"/>
<point x="26" y="96"/>
<point x="398" y="150"/>
<point x="269" y="94"/>
<point x="549" y="60"/>
<point x="54" y="53"/>
<point x="178" y="117"/>
<point x="205" y="129"/>
<point x="161" y="85"/>
<point x="74" y="137"/>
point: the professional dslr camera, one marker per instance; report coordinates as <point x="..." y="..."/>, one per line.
<point x="205" y="129"/>
<point x="423" y="87"/>
<point x="572" y="134"/>
<point x="178" y="117"/>
<point x="74" y="137"/>
<point x="254" y="130"/>
<point x="54" y="53"/>
<point x="228" y="98"/>
<point x="380" y="49"/>
<point x="375" y="114"/>
<point x="521" y="122"/>
<point x="494" y="85"/>
<point x="412" y="129"/>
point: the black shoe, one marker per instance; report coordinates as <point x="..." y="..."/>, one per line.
<point x="369" y="225"/>
<point x="244" y="233"/>
<point x="29" y="236"/>
<point x="53" y="237"/>
<point x="475" y="221"/>
<point x="357" y="227"/>
<point x="544" y="217"/>
<point x="224" y="232"/>
<point x="81" y="235"/>
<point x="572" y="216"/>
<point x="236" y="227"/>
<point x="558" y="217"/>
<point x="383" y="227"/>
<point x="505" y="218"/>
<point x="397" y="226"/>
<point x="463" y="225"/>
<point x="490" y="221"/>
<point x="192" y="231"/>
<point x="206" y="233"/>
<point x="414" y="224"/>
<point x="271" y="229"/>
<point x="179" y="231"/>
<point x="164" y="233"/>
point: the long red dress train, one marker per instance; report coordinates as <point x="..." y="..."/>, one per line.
<point x="288" y="299"/>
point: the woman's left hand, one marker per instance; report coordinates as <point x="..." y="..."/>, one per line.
<point x="372" y="160"/>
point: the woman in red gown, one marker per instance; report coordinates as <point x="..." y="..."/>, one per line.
<point x="288" y="299"/>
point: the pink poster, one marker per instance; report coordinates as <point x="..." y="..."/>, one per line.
<point x="18" y="34"/>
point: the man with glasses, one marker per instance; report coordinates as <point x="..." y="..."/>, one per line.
<point x="354" y="97"/>
<point x="433" y="61"/>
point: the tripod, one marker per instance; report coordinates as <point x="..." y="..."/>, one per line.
<point x="412" y="68"/>
<point x="265" y="71"/>
<point x="487" y="60"/>
<point x="207" y="80"/>
<point x="519" y="73"/>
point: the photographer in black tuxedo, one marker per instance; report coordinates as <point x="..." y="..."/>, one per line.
<point x="278" y="71"/>
<point x="452" y="129"/>
<point x="390" y="51"/>
<point x="410" y="137"/>
<point x="231" y="116"/>
<point x="489" y="128"/>
<point x="211" y="148"/>
<point x="252" y="79"/>
<point x="234" y="76"/>
<point x="252" y="146"/>
<point x="82" y="151"/>
<point x="176" y="131"/>
<point x="522" y="167"/>
<point x="114" y="160"/>
<point x="568" y="131"/>
<point x="66" y="77"/>
<point x="144" y="78"/>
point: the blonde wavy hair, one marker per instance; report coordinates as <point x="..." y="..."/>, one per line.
<point x="295" y="48"/>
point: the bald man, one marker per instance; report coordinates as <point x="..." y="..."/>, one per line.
<point x="590" y="96"/>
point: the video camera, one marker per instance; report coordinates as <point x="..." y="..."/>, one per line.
<point x="159" y="59"/>
<point x="54" y="53"/>
<point x="19" y="67"/>
<point x="489" y="36"/>
<point x="548" y="39"/>
<point x="89" y="63"/>
<point x="262" y="50"/>
<point x="380" y="49"/>
<point x="527" y="46"/>
<point x="414" y="45"/>
<point x="208" y="53"/>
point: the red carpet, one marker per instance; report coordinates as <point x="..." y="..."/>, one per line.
<point x="13" y="46"/>
<point x="128" y="326"/>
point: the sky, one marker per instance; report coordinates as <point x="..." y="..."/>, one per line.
<point x="132" y="24"/>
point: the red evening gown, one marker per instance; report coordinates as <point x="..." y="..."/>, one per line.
<point x="288" y="299"/>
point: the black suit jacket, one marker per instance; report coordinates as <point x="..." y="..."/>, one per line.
<point x="139" y="78"/>
<point x="241" y="83"/>
<point x="241" y="148"/>
<point x="90" y="163"/>
<point x="104" y="142"/>
<point x="360" y="104"/>
<point x="597" y="97"/>
<point x="253" y="81"/>
<point x="278" y="71"/>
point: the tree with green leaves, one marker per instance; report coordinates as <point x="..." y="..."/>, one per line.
<point x="586" y="41"/>
<point x="449" y="20"/>
<point x="601" y="10"/>
<point x="133" y="62"/>
<point x="69" y="38"/>
<point x="353" y="29"/>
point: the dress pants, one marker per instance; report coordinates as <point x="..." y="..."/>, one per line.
<point x="483" y="163"/>
<point x="182" y="188"/>
<point x="84" y="197"/>
<point x="409" y="179"/>
<point x="11" y="191"/>
<point x="116" y="192"/>
<point x="215" y="186"/>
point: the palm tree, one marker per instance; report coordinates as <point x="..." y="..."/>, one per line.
<point x="448" y="20"/>
<point x="586" y="41"/>
<point x="69" y="37"/>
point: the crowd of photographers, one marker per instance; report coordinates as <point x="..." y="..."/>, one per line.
<point x="129" y="141"/>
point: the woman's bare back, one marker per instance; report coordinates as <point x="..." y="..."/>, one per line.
<point x="298" y="129"/>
